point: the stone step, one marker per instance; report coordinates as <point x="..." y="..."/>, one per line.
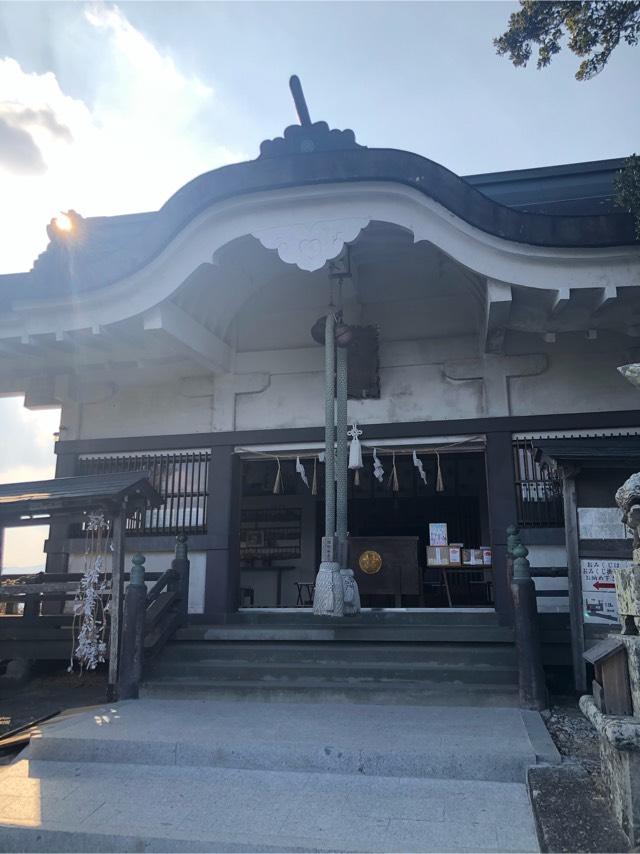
<point x="346" y="691"/>
<point x="368" y="617"/>
<point x="249" y="652"/>
<point x="63" y="806"/>
<point x="495" y="743"/>
<point x="290" y="672"/>
<point x="389" y="633"/>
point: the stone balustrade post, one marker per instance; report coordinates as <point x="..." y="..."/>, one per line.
<point x="181" y="565"/>
<point x="132" y="655"/>
<point x="532" y="687"/>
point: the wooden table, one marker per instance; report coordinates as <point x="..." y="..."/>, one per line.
<point x="448" y="567"/>
<point x="278" y="569"/>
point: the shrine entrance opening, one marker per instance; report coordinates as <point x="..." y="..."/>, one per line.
<point x="282" y="521"/>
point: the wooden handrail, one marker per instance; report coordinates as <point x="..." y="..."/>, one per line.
<point x="152" y="616"/>
<point x="71" y="577"/>
<point x="167" y="576"/>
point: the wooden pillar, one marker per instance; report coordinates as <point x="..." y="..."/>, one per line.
<point x="503" y="512"/>
<point x="574" y="576"/>
<point x="57" y="554"/>
<point x="117" y="591"/>
<point x="222" y="584"/>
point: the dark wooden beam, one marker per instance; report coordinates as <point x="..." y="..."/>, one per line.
<point x="574" y="576"/>
<point x="222" y="585"/>
<point x="502" y="513"/>
<point x="403" y="430"/>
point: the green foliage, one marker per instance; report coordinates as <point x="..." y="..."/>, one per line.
<point x="594" y="29"/>
<point x="627" y="188"/>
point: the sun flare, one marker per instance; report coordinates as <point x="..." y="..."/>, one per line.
<point x="63" y="222"/>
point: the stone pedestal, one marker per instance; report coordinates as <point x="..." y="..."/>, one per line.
<point x="620" y="758"/>
<point x="628" y="594"/>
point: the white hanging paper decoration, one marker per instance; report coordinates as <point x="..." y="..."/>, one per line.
<point x="439" y="480"/>
<point x="93" y="599"/>
<point x="418" y="464"/>
<point x="378" y="471"/>
<point x="355" y="448"/>
<point x="393" y="477"/>
<point x="300" y="470"/>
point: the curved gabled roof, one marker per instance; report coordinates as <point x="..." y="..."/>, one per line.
<point x="103" y="250"/>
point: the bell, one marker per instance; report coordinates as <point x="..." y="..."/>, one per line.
<point x="344" y="334"/>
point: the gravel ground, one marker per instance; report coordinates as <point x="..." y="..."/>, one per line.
<point x="570" y="802"/>
<point x="574" y="736"/>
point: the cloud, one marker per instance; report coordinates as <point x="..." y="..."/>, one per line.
<point x="44" y="117"/>
<point x="128" y="145"/>
<point x="18" y="152"/>
<point x="27" y="435"/>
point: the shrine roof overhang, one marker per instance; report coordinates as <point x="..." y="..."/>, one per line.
<point x="601" y="452"/>
<point x="109" y="249"/>
<point x="44" y="499"/>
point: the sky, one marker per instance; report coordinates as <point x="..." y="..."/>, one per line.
<point x="109" y="108"/>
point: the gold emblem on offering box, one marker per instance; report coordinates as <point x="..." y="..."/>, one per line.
<point x="370" y="562"/>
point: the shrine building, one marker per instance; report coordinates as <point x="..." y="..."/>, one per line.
<point x="489" y="312"/>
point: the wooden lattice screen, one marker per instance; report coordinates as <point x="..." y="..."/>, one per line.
<point x="538" y="489"/>
<point x="182" y="480"/>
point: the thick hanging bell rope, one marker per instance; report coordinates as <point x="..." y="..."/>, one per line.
<point x="328" y="594"/>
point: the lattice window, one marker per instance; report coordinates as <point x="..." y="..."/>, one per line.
<point x="182" y="480"/>
<point x="538" y="489"/>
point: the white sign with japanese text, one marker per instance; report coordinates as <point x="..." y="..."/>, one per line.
<point x="597" y="573"/>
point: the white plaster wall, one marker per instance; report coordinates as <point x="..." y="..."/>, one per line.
<point x="550" y="556"/>
<point x="433" y="379"/>
<point x="159" y="562"/>
<point x="411" y="393"/>
<point x="154" y="409"/>
<point x="574" y="382"/>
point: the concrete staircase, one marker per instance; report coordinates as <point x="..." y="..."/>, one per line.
<point x="209" y="775"/>
<point x="414" y="657"/>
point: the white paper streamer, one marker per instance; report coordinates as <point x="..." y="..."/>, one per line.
<point x="378" y="471"/>
<point x="300" y="470"/>
<point x="418" y="464"/>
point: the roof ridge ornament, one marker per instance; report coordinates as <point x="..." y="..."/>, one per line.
<point x="299" y="100"/>
<point x="306" y="137"/>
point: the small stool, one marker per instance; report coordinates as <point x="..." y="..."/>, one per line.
<point x="305" y="587"/>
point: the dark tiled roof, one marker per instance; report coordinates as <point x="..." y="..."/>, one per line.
<point x="545" y="207"/>
<point x="73" y="493"/>
<point x="609" y="450"/>
<point x="574" y="188"/>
